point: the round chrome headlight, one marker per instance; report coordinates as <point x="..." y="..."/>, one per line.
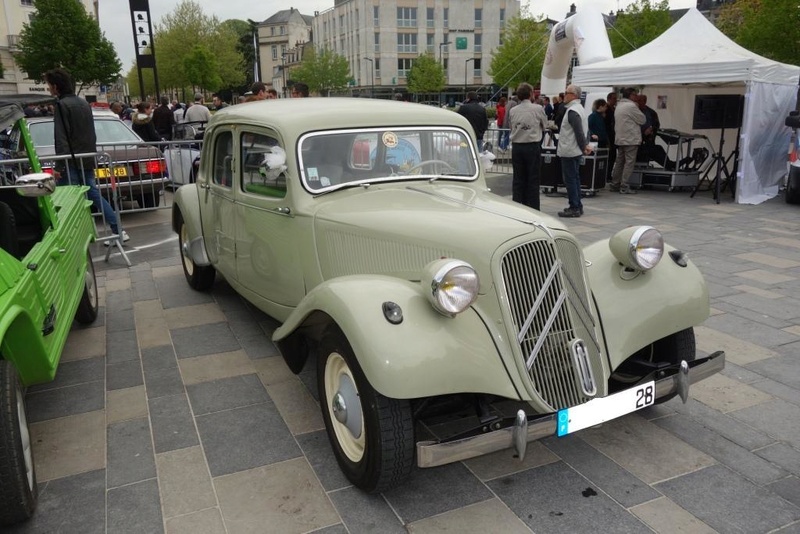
<point x="450" y="285"/>
<point x="638" y="247"/>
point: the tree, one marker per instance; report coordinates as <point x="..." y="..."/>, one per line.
<point x="426" y="75"/>
<point x="521" y="56"/>
<point x="323" y="72"/>
<point x="643" y="21"/>
<point x="768" y="28"/>
<point x="201" y="68"/>
<point x="62" y="34"/>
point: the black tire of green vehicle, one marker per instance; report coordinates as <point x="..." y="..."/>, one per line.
<point x="198" y="277"/>
<point x="388" y="457"/>
<point x="674" y="348"/>
<point x="88" y="306"/>
<point x="8" y="230"/>
<point x="17" y="497"/>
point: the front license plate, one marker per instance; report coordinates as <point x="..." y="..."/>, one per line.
<point x="604" y="409"/>
<point x="105" y="173"/>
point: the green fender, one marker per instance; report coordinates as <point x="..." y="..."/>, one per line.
<point x="427" y="354"/>
<point x="638" y="311"/>
<point x="186" y="205"/>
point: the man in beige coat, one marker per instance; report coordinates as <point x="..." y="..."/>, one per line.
<point x="628" y="119"/>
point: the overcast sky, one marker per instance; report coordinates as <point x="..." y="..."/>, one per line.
<point x="115" y="18"/>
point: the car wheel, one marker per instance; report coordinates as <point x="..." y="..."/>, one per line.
<point x="149" y="200"/>
<point x="198" y="277"/>
<point x="87" y="309"/>
<point x="793" y="186"/>
<point x="18" y="492"/>
<point x="372" y="436"/>
<point x="673" y="349"/>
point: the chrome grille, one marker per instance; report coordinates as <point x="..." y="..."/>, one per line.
<point x="547" y="297"/>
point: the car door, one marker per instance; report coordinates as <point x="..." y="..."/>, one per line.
<point x="217" y="203"/>
<point x="268" y="243"/>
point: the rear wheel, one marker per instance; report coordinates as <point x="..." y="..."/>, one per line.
<point x="18" y="492"/>
<point x="199" y="277"/>
<point x="793" y="186"/>
<point x="87" y="309"/>
<point x="372" y="436"/>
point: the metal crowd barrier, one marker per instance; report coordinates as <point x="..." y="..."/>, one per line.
<point x="497" y="142"/>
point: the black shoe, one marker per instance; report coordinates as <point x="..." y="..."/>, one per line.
<point x="570" y="212"/>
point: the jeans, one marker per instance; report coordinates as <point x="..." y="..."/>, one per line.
<point x="570" y="171"/>
<point x="85" y="176"/>
<point x="525" y="183"/>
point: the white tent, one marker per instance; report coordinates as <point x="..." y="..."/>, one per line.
<point x="693" y="57"/>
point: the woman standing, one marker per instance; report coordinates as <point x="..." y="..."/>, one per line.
<point x="597" y="123"/>
<point x="142" y="122"/>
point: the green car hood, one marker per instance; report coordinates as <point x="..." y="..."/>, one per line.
<point x="397" y="230"/>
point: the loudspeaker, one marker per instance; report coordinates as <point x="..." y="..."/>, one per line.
<point x="717" y="111"/>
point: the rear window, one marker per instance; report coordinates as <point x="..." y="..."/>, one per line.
<point x="109" y="130"/>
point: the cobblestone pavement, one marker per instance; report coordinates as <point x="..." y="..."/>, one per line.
<point x="174" y="412"/>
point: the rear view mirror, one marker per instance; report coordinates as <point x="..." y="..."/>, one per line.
<point x="39" y="184"/>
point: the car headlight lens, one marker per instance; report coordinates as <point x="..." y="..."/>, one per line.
<point x="451" y="285"/>
<point x="638" y="247"/>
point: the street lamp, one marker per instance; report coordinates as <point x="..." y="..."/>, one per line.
<point x="441" y="57"/>
<point x="283" y="72"/>
<point x="371" y="76"/>
<point x="465" y="75"/>
<point x="256" y="62"/>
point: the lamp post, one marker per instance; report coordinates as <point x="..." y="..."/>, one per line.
<point x="256" y="62"/>
<point x="371" y="76"/>
<point x="441" y="56"/>
<point x="465" y="75"/>
<point x="283" y="72"/>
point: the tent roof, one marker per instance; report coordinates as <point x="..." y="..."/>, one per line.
<point x="691" y="51"/>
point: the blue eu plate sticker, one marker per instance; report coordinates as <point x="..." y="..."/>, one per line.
<point x="563" y="422"/>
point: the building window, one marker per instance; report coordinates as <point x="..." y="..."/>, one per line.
<point x="478" y="17"/>
<point x="341" y="23"/>
<point x="403" y="66"/>
<point x="26" y="2"/>
<point x="377" y="67"/>
<point x="283" y="49"/>
<point x="377" y="42"/>
<point x="446" y="63"/>
<point x="274" y="52"/>
<point x="477" y="67"/>
<point x="478" y="42"/>
<point x="446" y="16"/>
<point x="283" y="30"/>
<point x="272" y="30"/>
<point x="406" y="17"/>
<point x="407" y="43"/>
<point x="429" y="45"/>
<point x="502" y="18"/>
<point x="430" y="20"/>
<point x="376" y="16"/>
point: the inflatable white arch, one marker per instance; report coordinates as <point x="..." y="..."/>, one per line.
<point x="585" y="33"/>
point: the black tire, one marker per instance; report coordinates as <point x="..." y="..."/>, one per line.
<point x="8" y="230"/>
<point x="18" y="491"/>
<point x="793" y="186"/>
<point x="382" y="456"/>
<point x="199" y="277"/>
<point x="673" y="349"/>
<point x="87" y="308"/>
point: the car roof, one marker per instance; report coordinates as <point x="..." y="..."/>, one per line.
<point x="296" y="116"/>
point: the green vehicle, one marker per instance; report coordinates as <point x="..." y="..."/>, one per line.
<point x="46" y="279"/>
<point x="446" y="322"/>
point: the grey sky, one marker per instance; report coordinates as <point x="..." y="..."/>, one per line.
<point x="116" y="23"/>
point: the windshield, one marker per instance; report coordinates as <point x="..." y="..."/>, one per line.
<point x="330" y="160"/>
<point x="110" y="130"/>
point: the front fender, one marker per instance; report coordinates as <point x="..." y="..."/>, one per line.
<point x="653" y="305"/>
<point x="186" y="208"/>
<point x="427" y="354"/>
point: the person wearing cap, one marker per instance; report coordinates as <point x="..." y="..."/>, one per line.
<point x="198" y="112"/>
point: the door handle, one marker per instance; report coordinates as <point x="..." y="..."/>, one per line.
<point x="283" y="210"/>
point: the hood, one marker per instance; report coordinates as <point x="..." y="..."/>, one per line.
<point x="397" y="230"/>
<point x="140" y="118"/>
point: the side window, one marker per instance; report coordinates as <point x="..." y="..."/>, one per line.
<point x="223" y="159"/>
<point x="263" y="166"/>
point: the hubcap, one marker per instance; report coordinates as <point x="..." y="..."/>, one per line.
<point x="25" y="438"/>
<point x="188" y="264"/>
<point x="344" y="407"/>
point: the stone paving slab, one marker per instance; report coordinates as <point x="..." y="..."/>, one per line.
<point x="174" y="411"/>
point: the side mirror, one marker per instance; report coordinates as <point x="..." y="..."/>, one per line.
<point x="793" y="120"/>
<point x="38" y="184"/>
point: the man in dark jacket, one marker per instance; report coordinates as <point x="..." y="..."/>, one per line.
<point x="476" y="115"/>
<point x="164" y="119"/>
<point x="73" y="129"/>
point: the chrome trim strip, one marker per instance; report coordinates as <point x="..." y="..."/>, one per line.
<point x="197" y="251"/>
<point x="432" y="453"/>
<point x="546" y="329"/>
<point x="523" y="331"/>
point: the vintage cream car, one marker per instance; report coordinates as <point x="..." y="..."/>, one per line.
<point x="446" y="322"/>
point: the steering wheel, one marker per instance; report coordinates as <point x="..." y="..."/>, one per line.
<point x="421" y="164"/>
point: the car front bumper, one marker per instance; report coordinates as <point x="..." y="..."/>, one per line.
<point x="531" y="428"/>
